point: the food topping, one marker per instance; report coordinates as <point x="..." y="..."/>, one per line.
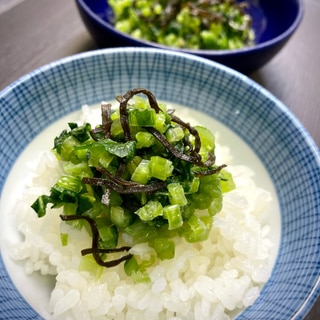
<point x="191" y="24"/>
<point x="143" y="173"/>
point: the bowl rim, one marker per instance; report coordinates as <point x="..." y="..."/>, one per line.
<point x="218" y="53"/>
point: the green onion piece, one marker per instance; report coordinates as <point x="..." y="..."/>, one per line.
<point x="141" y="231"/>
<point x="138" y="274"/>
<point x="160" y="168"/>
<point x="116" y="128"/>
<point x="176" y="194"/>
<point x="142" y="117"/>
<point x="193" y="185"/>
<point x="160" y="122"/>
<point x="59" y="140"/>
<point x="227" y="183"/>
<point x="108" y="234"/>
<point x="99" y="156"/>
<point x="142" y="172"/>
<point x="199" y="228"/>
<point x="115" y="199"/>
<point x="120" y="216"/>
<point x="150" y="210"/>
<point x="119" y="149"/>
<point x="207" y="138"/>
<point x="188" y="210"/>
<point x="77" y="169"/>
<point x="145" y="139"/>
<point x="85" y="202"/>
<point x="67" y="147"/>
<point x="40" y="205"/>
<point x="173" y="214"/>
<point x="64" y="237"/>
<point x="131" y="266"/>
<point x="66" y="142"/>
<point x="133" y="163"/>
<point x="89" y="264"/>
<point x="70" y="208"/>
<point x="66" y="189"/>
<point x="164" y="247"/>
<point x="79" y="154"/>
<point x="80" y="133"/>
<point x="174" y="134"/>
<point x="140" y="102"/>
<point x="97" y="210"/>
<point x="147" y="263"/>
<point x="215" y="205"/>
<point x="209" y="189"/>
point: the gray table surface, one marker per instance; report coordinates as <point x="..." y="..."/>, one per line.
<point x="36" y="32"/>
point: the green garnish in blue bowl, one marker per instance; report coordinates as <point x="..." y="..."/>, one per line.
<point x="144" y="172"/>
<point x="189" y="24"/>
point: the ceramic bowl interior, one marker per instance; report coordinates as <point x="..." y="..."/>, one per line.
<point x="274" y="22"/>
<point x="262" y="122"/>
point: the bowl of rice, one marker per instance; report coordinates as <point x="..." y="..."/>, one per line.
<point x="260" y="259"/>
<point x="244" y="35"/>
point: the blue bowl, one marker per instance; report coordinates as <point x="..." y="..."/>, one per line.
<point x="260" y="121"/>
<point x="274" y="22"/>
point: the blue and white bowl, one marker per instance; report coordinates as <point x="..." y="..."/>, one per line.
<point x="260" y="121"/>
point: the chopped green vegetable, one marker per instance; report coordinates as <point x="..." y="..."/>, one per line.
<point x="198" y="228"/>
<point x="173" y="214"/>
<point x="191" y="24"/>
<point x="142" y="173"/>
<point x="226" y="181"/>
<point x="64" y="239"/>
<point x="146" y="178"/>
<point x="141" y="231"/>
<point x="88" y="264"/>
<point x="144" y="139"/>
<point x="160" y="168"/>
<point x="40" y="205"/>
<point x="164" y="247"/>
<point x="150" y="210"/>
<point x="135" y="271"/>
<point x="120" y="216"/>
<point x="176" y="194"/>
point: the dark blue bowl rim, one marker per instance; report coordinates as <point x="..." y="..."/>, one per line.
<point x="260" y="46"/>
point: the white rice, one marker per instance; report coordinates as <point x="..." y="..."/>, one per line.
<point x="215" y="279"/>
